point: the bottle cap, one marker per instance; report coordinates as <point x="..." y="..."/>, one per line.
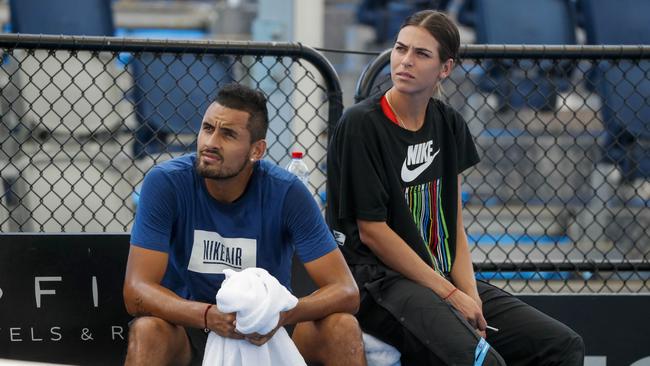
<point x="296" y="155"/>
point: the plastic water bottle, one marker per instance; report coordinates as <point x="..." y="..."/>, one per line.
<point x="298" y="167"/>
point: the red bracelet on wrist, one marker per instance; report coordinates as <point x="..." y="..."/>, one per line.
<point x="205" y="318"/>
<point x="450" y="293"/>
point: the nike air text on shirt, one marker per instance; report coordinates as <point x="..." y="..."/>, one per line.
<point x="212" y="253"/>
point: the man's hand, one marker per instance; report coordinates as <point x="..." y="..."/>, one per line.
<point x="470" y="310"/>
<point x="223" y="323"/>
<point x="259" y="339"/>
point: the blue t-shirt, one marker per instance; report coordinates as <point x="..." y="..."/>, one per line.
<point x="275" y="216"/>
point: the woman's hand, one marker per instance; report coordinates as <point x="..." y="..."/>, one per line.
<point x="470" y="309"/>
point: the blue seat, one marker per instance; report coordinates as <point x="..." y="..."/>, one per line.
<point x="35" y="72"/>
<point x="624" y="86"/>
<point x="69" y="17"/>
<point x="82" y="102"/>
<point x="625" y="91"/>
<point x="523" y="83"/>
<point x="386" y="16"/>
<point x="171" y="93"/>
<point x="466" y="14"/>
<point x="616" y="22"/>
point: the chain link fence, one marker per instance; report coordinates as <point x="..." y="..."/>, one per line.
<point x="560" y="201"/>
<point x="83" y="119"/>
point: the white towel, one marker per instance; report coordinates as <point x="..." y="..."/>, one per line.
<point x="379" y="353"/>
<point x="257" y="298"/>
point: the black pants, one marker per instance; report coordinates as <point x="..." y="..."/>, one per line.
<point x="429" y="331"/>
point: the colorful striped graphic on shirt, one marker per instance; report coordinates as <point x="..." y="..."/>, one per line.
<point x="425" y="203"/>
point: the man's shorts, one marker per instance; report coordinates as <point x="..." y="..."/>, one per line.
<point x="198" y="338"/>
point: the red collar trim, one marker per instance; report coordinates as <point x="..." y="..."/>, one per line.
<point x="388" y="112"/>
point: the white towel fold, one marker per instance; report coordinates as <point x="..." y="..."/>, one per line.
<point x="379" y="353"/>
<point x="257" y="298"/>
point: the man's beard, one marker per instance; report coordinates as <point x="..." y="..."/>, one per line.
<point x="218" y="173"/>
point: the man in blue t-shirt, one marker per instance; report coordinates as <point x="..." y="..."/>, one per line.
<point x="223" y="207"/>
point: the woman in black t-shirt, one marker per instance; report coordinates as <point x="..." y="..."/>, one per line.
<point x="394" y="165"/>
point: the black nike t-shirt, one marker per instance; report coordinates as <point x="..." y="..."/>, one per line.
<point x="378" y="171"/>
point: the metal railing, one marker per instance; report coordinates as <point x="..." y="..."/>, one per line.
<point x="559" y="201"/>
<point x="84" y="118"/>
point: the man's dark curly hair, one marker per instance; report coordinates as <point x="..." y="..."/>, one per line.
<point x="243" y="98"/>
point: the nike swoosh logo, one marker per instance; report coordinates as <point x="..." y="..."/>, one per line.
<point x="409" y="175"/>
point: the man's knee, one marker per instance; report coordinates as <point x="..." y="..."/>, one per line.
<point x="341" y="340"/>
<point x="150" y="334"/>
<point x="155" y="341"/>
<point x="341" y="326"/>
<point x="147" y="328"/>
<point x="334" y="338"/>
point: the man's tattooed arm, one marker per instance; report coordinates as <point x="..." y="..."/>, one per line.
<point x="139" y="307"/>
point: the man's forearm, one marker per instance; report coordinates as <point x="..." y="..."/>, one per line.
<point x="156" y="300"/>
<point x="330" y="299"/>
